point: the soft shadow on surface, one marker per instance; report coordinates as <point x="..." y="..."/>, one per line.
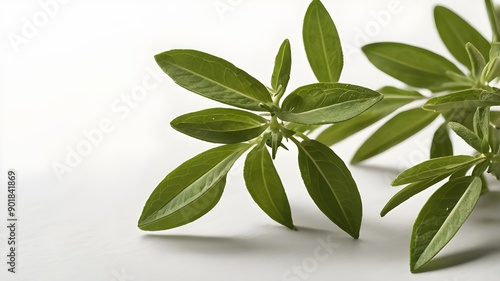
<point x="276" y="240"/>
<point x="458" y="259"/>
<point x="490" y="200"/>
<point x="487" y="209"/>
<point x="210" y="245"/>
<point x="199" y="242"/>
<point x="314" y="231"/>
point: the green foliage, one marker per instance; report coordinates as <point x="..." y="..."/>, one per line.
<point x="393" y="99"/>
<point x="441" y="144"/>
<point x="436" y="167"/>
<point x="326" y="103"/>
<point x="265" y="187"/>
<point x="214" y="78"/>
<point x="465" y="107"/>
<point x="412" y="65"/>
<point x="420" y="68"/>
<point x="193" y="189"/>
<point x="282" y="67"/>
<point x="330" y="185"/>
<point x="467" y="135"/>
<point x="455" y="33"/>
<point x="396" y="130"/>
<point x="322" y="43"/>
<point x="463" y="100"/>
<point x="441" y="217"/>
<point x="221" y="125"/>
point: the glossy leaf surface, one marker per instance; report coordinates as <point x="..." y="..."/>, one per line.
<point x="324" y="103"/>
<point x="394" y="98"/>
<point x="464" y="100"/>
<point x="409" y="191"/>
<point x="412" y="65"/>
<point x="455" y="32"/>
<point x="441" y="218"/>
<point x="322" y="43"/>
<point x="467" y="135"/>
<point x="265" y="186"/>
<point x="282" y="66"/>
<point x="221" y="125"/>
<point x="190" y="190"/>
<point x="214" y="78"/>
<point x="435" y="167"/>
<point x="402" y="126"/>
<point x="441" y="143"/>
<point x="330" y="185"/>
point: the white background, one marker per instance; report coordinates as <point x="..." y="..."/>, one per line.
<point x="73" y="69"/>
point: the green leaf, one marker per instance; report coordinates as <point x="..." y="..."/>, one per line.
<point x="495" y="117"/>
<point x="494" y="169"/>
<point x="467" y="135"/>
<point x="214" y="78"/>
<point x="394" y="98"/>
<point x="476" y="59"/>
<point x="441" y="143"/>
<point x="412" y="65"/>
<point x="324" y="103"/>
<point x="482" y="123"/>
<point x="301" y="128"/>
<point x="491" y="70"/>
<point x="409" y="191"/>
<point x="265" y="187"/>
<point x="494" y="50"/>
<point x="190" y="190"/>
<point x="400" y="127"/>
<point x="221" y="125"/>
<point x="435" y="167"/>
<point x="330" y="185"/>
<point x="494" y="22"/>
<point x="459" y="173"/>
<point x="494" y="139"/>
<point x="393" y="93"/>
<point x="459" y="79"/>
<point x="464" y="99"/>
<point x="455" y="32"/>
<point x="441" y="218"/>
<point x="322" y="43"/>
<point x="282" y="66"/>
<point x="463" y="116"/>
<point x="480" y="168"/>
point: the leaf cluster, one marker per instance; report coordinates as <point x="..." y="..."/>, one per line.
<point x="461" y="97"/>
<point x="456" y="89"/>
<point x="262" y="120"/>
<point x="261" y="124"/>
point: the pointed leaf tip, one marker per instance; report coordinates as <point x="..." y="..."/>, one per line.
<point x="441" y="217"/>
<point x="265" y="186"/>
<point x="190" y="190"/>
<point x="331" y="185"/>
<point x="322" y="43"/>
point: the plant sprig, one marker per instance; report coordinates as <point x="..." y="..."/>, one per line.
<point x="262" y="123"/>
<point x="266" y="119"/>
<point x="464" y="103"/>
